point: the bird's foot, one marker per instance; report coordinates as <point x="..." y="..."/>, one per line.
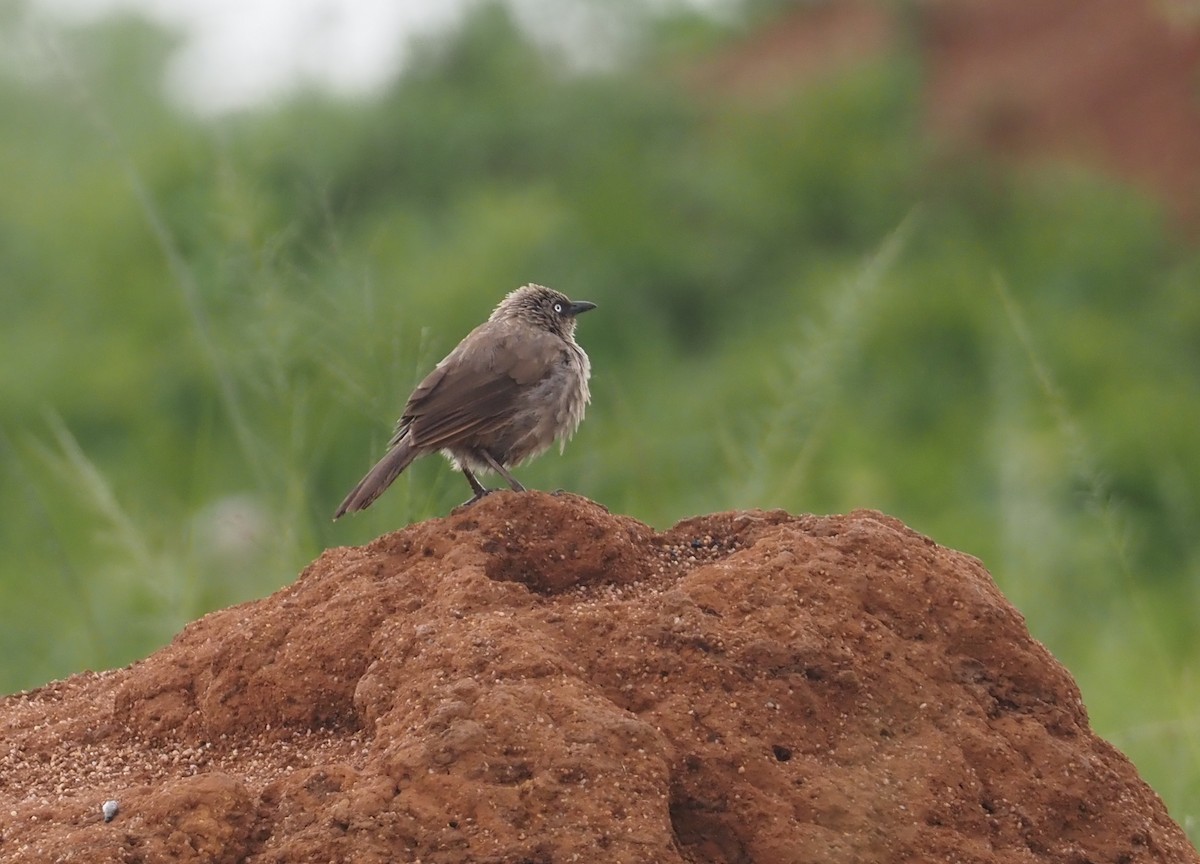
<point x="478" y="496"/>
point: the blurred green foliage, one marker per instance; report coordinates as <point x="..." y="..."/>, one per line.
<point x="211" y="327"/>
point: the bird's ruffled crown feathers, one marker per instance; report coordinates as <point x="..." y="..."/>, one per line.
<point x="529" y="297"/>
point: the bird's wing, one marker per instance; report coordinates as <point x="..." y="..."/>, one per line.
<point x="472" y="391"/>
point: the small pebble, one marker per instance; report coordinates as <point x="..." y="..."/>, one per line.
<point x="110" y="809"/>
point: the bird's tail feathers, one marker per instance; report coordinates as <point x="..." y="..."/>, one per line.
<point x="378" y="478"/>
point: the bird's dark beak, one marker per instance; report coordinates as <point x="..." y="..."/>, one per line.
<point x="578" y="307"/>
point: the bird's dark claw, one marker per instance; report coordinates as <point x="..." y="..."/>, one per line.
<point x="478" y="496"/>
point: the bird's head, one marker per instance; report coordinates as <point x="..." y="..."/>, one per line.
<point x="542" y="307"/>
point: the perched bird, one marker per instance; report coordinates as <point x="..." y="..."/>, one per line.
<point x="516" y="384"/>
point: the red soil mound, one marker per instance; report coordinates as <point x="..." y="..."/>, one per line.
<point x="537" y="680"/>
<point x="1110" y="84"/>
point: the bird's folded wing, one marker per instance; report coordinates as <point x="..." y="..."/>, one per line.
<point x="473" y="390"/>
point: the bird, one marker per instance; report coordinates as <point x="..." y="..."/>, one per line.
<point x="512" y="387"/>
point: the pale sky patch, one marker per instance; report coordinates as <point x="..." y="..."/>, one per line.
<point x="239" y="54"/>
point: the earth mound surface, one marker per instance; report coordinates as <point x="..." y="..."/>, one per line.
<point x="534" y="679"/>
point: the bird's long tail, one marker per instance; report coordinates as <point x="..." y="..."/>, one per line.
<point x="378" y="478"/>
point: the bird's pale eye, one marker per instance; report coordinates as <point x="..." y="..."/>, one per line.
<point x="558" y="307"/>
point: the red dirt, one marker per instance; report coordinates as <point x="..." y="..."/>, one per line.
<point x="814" y="42"/>
<point x="1114" y="84"/>
<point x="1110" y="84"/>
<point x="537" y="680"/>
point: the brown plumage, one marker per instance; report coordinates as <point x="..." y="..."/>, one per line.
<point x="516" y="384"/>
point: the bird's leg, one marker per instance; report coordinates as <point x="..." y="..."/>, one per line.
<point x="513" y="483"/>
<point x="479" y="488"/>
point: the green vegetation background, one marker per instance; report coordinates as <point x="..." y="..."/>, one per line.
<point x="209" y="328"/>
